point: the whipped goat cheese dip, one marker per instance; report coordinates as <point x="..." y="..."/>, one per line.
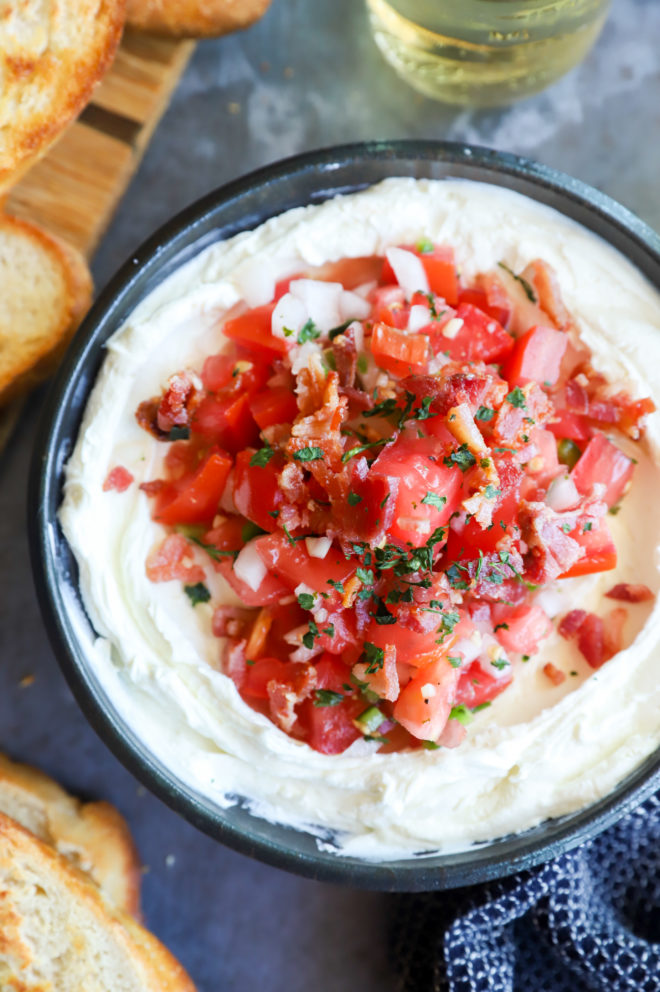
<point x="539" y="750"/>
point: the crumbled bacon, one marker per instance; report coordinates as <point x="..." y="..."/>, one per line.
<point x="118" y="478"/>
<point x="613" y="631"/>
<point x="571" y="623"/>
<point x="551" y="551"/>
<point x="553" y="673"/>
<point x="231" y="621"/>
<point x="385" y="680"/>
<point x="234" y="662"/>
<point x="474" y="385"/>
<point x="544" y="280"/>
<point x="345" y="355"/>
<point x="628" y="592"/>
<point x="285" y="694"/>
<point x="178" y="403"/>
<point x="172" y="559"/>
<point x="147" y="417"/>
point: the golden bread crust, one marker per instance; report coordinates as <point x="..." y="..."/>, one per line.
<point x="194" y="18"/>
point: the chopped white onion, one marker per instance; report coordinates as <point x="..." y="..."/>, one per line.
<point x="289" y="313"/>
<point x="321" y="300"/>
<point x="353" y="307"/>
<point x="249" y="567"/>
<point x="418" y="317"/>
<point x="357" y="330"/>
<point x="452" y="327"/>
<point x="365" y="288"/>
<point x="551" y="602"/>
<point x="255" y="281"/>
<point x="318" y="547"/>
<point x="409" y="271"/>
<point x="303" y="355"/>
<point x="562" y="494"/>
<point x="468" y="649"/>
<point x="227" y="499"/>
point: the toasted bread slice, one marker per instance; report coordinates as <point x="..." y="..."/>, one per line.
<point x="45" y="289"/>
<point x="51" y="55"/>
<point x="194" y="18"/>
<point x="92" y="836"/>
<point x="59" y="934"/>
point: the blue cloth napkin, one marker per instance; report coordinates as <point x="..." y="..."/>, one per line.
<point x="587" y="922"/>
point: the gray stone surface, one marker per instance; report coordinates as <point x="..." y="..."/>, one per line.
<point x="308" y="75"/>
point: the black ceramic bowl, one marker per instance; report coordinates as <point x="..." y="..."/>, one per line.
<point x="240" y="206"/>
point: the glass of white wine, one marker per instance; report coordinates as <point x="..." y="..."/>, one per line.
<point x="484" y="52"/>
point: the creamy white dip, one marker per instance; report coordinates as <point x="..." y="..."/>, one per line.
<point x="539" y="750"/>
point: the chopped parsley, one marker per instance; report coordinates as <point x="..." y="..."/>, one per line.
<point x="215" y="553"/>
<point x="326" y="697"/>
<point x="373" y="656"/>
<point x="500" y="626"/>
<point x="354" y="499"/>
<point x="484" y="413"/>
<point x="454" y="660"/>
<point x="197" y="593"/>
<point x="424" y="246"/>
<point x="336" y="585"/>
<point x="432" y="499"/>
<point x="517" y="398"/>
<point x="430" y="745"/>
<point x="308" y="455"/>
<point x="500" y="663"/>
<point x="385" y="408"/>
<point x="178" y="433"/>
<point x="481" y="706"/>
<point x="306" y="600"/>
<point x="308" y="332"/>
<point x="310" y="635"/>
<point x="490" y="492"/>
<point x="358" y="449"/>
<point x="262" y="457"/>
<point x="336" y="331"/>
<point x="588" y="526"/>
<point x="462" y="457"/>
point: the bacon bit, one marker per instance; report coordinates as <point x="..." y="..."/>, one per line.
<point x="154" y="487"/>
<point x="351" y="589"/>
<point x="118" y="478"/>
<point x="257" y="640"/>
<point x="613" y="632"/>
<point x="345" y="354"/>
<point x="577" y="398"/>
<point x="179" y="402"/>
<point x="571" y="623"/>
<point x="555" y="674"/>
<point x="147" y="417"/>
<point x="231" y="621"/>
<point x="474" y="385"/>
<point x="285" y="694"/>
<point x="591" y="641"/>
<point x="544" y="280"/>
<point x="460" y="423"/>
<point x="385" y="681"/>
<point x="235" y="663"/>
<point x="628" y="592"/>
<point x="552" y="552"/>
<point x="172" y="559"/>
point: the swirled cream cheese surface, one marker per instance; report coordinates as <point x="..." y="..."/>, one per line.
<point x="539" y="750"/>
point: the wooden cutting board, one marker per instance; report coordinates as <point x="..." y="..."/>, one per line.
<point x="74" y="191"/>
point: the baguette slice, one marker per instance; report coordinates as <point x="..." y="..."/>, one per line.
<point x="194" y="18"/>
<point x="51" y="55"/>
<point x="59" y="934"/>
<point x="92" y="836"/>
<point x="45" y="290"/>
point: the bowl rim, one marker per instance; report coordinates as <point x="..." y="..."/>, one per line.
<point x="495" y="859"/>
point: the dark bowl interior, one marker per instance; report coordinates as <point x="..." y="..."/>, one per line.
<point x="240" y="206"/>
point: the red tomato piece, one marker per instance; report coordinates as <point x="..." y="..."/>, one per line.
<point x="466" y="542"/>
<point x="571" y="623"/>
<point x="226" y="420"/>
<point x="330" y="729"/>
<point x="476" y="687"/>
<point x="603" y="462"/>
<point x="399" y="353"/>
<point x="173" y="559"/>
<point x="274" y="406"/>
<point x="217" y="371"/>
<point x="292" y="564"/>
<point x="627" y="592"/>
<point x="498" y="304"/>
<point x="228" y="536"/>
<point x="256" y="492"/>
<point x="389" y="306"/>
<point x="270" y="591"/>
<point x="253" y="331"/>
<point x="600" y="550"/>
<point x="424" y="704"/>
<point x="536" y="357"/>
<point x="480" y="339"/>
<point x="414" y="469"/>
<point x="194" y="498"/>
<point x="572" y="426"/>
<point x="118" y="478"/>
<point x="520" y="628"/>
<point x="413" y="647"/>
<point x="440" y="270"/>
<point x="258" y="675"/>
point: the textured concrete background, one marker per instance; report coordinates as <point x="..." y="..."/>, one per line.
<point x="308" y="75"/>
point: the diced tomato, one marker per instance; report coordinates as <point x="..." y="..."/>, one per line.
<point x="270" y="591"/>
<point x="536" y="357"/>
<point x="520" y="628"/>
<point x="413" y="647"/>
<point x="293" y="565"/>
<point x="613" y="629"/>
<point x="274" y="406"/>
<point x="416" y="473"/>
<point x="173" y="559"/>
<point x="600" y="550"/>
<point x="217" y="371"/>
<point x="399" y="353"/>
<point x="440" y="271"/>
<point x="253" y="331"/>
<point x="227" y="421"/>
<point x="228" y="535"/>
<point x="475" y="686"/>
<point x="259" y="674"/>
<point x="480" y="338"/>
<point x="572" y="426"/>
<point x="118" y="478"/>
<point x="628" y="592"/>
<point x="194" y="498"/>
<point x="498" y="303"/>
<point x="256" y="492"/>
<point x="330" y="728"/>
<point x="602" y="462"/>
<point x="389" y="306"/>
<point x="424" y="704"/>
